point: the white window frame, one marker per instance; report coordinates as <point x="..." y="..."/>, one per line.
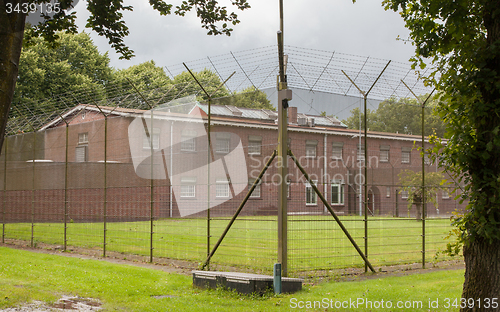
<point x="405" y="155"/>
<point x="340" y="192"/>
<point x="257" y="190"/>
<point x="404" y="194"/>
<point x="445" y="194"/>
<point x="254" y="145"/>
<point x="156" y="139"/>
<point x="427" y="158"/>
<point x="81" y="157"/>
<point x="188" y="187"/>
<point x="83" y="138"/>
<point x="188" y="140"/>
<point x="337" y="150"/>
<point x="222" y="142"/>
<point x="384" y="153"/>
<point x="311" y="148"/>
<point x="222" y="188"/>
<point x="314" y="198"/>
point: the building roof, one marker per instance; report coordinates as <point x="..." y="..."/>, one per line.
<point x="238" y="117"/>
<point x="268" y="116"/>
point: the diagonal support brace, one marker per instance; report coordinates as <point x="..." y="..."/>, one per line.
<point x="257" y="181"/>
<point x="325" y="202"/>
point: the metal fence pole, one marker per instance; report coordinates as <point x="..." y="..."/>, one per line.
<point x="33" y="191"/>
<point x="4" y="189"/>
<point x="66" y="188"/>
<point x="424" y="206"/>
<point x="365" y="95"/>
<point x="209" y="150"/>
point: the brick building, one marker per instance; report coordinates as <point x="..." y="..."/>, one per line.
<point x="157" y="164"/>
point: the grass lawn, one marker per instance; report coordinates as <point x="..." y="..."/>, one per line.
<point x="26" y="276"/>
<point x="314" y="242"/>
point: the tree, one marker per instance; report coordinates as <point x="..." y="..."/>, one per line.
<point x="106" y="18"/>
<point x="411" y="182"/>
<point x="461" y="39"/>
<point x="207" y="78"/>
<point x="248" y="98"/>
<point x="72" y="63"/>
<point x="401" y="116"/>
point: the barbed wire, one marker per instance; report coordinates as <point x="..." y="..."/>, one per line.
<point x="308" y="69"/>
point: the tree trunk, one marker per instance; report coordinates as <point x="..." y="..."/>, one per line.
<point x="418" y="215"/>
<point x="11" y="39"/>
<point x="482" y="275"/>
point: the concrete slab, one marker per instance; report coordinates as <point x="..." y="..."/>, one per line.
<point x="245" y="283"/>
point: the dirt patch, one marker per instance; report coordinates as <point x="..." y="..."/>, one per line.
<point x="65" y="303"/>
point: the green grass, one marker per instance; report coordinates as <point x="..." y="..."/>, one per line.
<point x="27" y="276"/>
<point x="314" y="242"/>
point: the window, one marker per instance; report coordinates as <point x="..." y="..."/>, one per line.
<point x="337" y="193"/>
<point x="156" y="139"/>
<point x="254" y="145"/>
<point x="337" y="150"/>
<point x="311" y="148"/>
<point x="311" y="197"/>
<point x="188" y="187"/>
<point x="446" y="194"/>
<point x="188" y="140"/>
<point x="427" y="158"/>
<point x="361" y="152"/>
<point x="405" y="155"/>
<point x="221" y="188"/>
<point x="404" y="194"/>
<point x="81" y="153"/>
<point x="384" y="153"/>
<point x="388" y="192"/>
<point x="83" y="138"/>
<point x="256" y="190"/>
<point x="222" y="140"/>
<point x="288" y="186"/>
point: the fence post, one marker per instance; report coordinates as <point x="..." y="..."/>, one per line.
<point x="33" y="191"/>
<point x="4" y="189"/>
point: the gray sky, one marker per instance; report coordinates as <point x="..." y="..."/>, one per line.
<point x="363" y="28"/>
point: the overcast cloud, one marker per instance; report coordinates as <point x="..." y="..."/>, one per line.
<point x="363" y="28"/>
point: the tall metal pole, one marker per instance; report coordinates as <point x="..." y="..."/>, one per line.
<point x="208" y="177"/>
<point x="152" y="200"/>
<point x="365" y="96"/>
<point x="365" y="167"/>
<point x="4" y="189"/>
<point x="423" y="189"/>
<point x="424" y="206"/>
<point x="209" y="150"/>
<point x="33" y="191"/>
<point x="66" y="188"/>
<point x="105" y="207"/>
<point x="283" y="96"/>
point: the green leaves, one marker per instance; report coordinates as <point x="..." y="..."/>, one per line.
<point x="402" y="115"/>
<point x="461" y="40"/>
